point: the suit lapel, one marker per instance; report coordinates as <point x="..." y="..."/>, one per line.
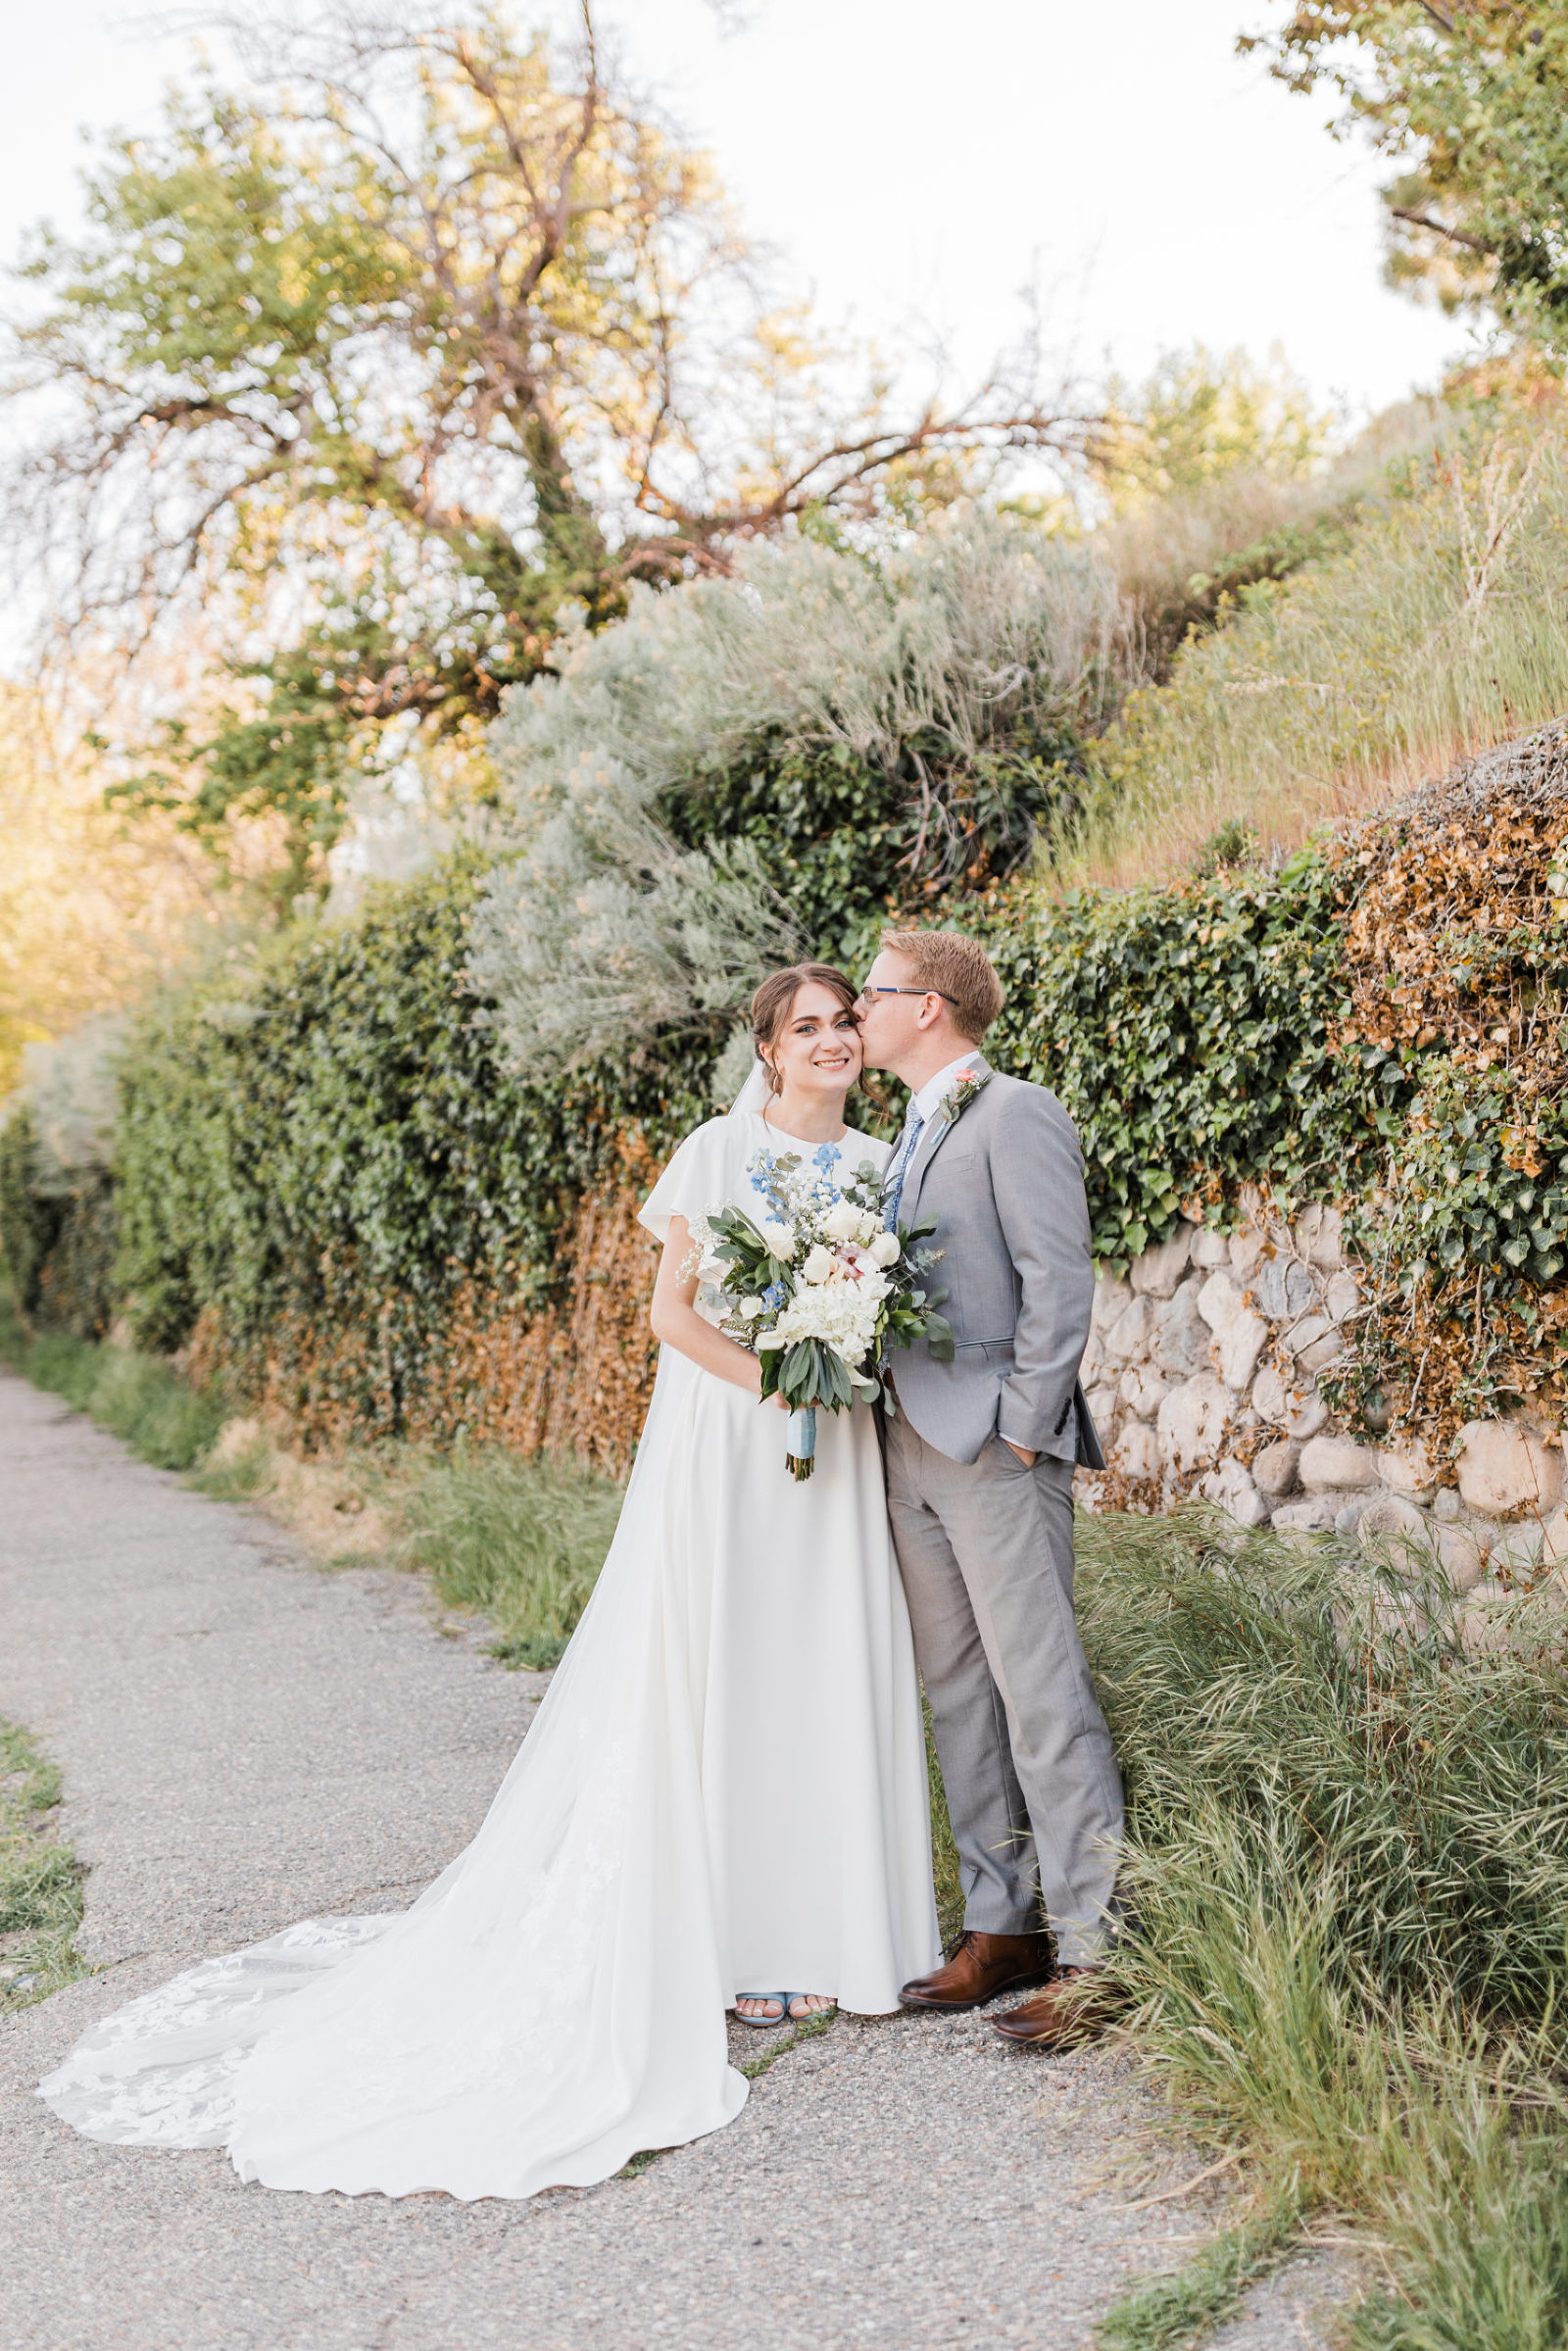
<point x="937" y="1130"/>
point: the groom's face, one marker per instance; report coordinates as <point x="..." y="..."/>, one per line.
<point x="889" y="1025"/>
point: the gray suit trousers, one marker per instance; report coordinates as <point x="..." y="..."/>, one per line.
<point x="985" y="1549"/>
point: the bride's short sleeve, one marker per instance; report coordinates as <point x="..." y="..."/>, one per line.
<point x="694" y="1181"/>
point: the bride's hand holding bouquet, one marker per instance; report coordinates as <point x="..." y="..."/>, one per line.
<point x="818" y="1289"/>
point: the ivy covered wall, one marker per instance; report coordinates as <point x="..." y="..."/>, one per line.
<point x="328" y="1182"/>
<point x="1188" y="1034"/>
<point x="319" y="1150"/>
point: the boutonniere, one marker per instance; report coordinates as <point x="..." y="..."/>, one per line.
<point x="966" y="1084"/>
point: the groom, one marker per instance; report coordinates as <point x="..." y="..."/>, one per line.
<point x="980" y="1457"/>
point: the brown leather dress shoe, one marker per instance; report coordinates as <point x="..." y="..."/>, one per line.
<point x="1076" y="2007"/>
<point x="982" y="1965"/>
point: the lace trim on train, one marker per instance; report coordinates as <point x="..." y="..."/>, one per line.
<point x="112" y="2087"/>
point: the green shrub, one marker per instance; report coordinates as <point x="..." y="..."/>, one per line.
<point x="843" y="729"/>
<point x="325" y="1141"/>
<point x="1187" y="1034"/>
<point x="28" y="1222"/>
<point x="327" y="1135"/>
<point x="59" y="1241"/>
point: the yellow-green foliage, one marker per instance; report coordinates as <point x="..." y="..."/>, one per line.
<point x="1440" y="628"/>
<point x="88" y="911"/>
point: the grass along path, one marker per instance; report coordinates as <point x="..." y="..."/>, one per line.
<point x="40" y="1881"/>
<point x="139" y="1397"/>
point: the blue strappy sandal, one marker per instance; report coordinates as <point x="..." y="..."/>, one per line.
<point x="766" y="2023"/>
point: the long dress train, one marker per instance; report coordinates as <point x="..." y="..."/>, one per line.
<point x="723" y="1791"/>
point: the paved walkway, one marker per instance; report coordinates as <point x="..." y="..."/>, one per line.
<point x="246" y="1740"/>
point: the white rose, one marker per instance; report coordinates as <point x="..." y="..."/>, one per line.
<point x="817" y="1266"/>
<point x="869" y="1227"/>
<point x="841" y="1221"/>
<point x="884" y="1250"/>
<point x="779" y="1238"/>
<point x="751" y="1309"/>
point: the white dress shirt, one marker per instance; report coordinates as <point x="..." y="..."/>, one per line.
<point x="931" y="1093"/>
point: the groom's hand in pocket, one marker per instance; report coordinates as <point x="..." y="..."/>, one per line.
<point x="1025" y="1456"/>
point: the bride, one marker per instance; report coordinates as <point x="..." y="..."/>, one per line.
<point x="721" y="1802"/>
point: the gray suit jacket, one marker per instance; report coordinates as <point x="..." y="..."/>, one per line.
<point x="1005" y="1183"/>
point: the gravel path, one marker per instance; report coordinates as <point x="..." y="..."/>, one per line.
<point x="246" y="1740"/>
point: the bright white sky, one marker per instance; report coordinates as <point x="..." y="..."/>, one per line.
<point x="915" y="162"/>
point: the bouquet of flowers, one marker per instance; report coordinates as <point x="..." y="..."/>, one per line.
<point x="818" y="1289"/>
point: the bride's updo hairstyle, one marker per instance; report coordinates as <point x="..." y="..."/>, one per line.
<point x="774" y="1002"/>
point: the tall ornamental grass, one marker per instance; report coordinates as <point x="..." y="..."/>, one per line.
<point x="1440" y="628"/>
<point x="520" y="1541"/>
<point x="1348" y="1880"/>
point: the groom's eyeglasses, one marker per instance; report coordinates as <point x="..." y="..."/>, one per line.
<point x="868" y="992"/>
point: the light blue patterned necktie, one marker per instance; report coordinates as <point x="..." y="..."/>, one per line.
<point x="902" y="1159"/>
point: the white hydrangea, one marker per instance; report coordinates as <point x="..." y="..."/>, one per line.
<point x="843" y="1315"/>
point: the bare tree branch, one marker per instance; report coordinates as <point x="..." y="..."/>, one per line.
<point x="1441" y="228"/>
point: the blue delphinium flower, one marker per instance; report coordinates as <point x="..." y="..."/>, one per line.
<point x="826" y="1156"/>
<point x="768" y="1178"/>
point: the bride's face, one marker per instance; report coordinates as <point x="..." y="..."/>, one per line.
<point x="817" y="1049"/>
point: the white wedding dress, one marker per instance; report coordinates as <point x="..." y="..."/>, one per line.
<point x="723" y="1791"/>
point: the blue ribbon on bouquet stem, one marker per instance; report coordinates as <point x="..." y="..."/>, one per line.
<point x="801" y="1442"/>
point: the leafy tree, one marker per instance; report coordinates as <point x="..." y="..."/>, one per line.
<point x="1471" y="96"/>
<point x="432" y="331"/>
<point x="1202" y="417"/>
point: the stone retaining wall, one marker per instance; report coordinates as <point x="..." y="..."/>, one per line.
<point x="1203" y="1371"/>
